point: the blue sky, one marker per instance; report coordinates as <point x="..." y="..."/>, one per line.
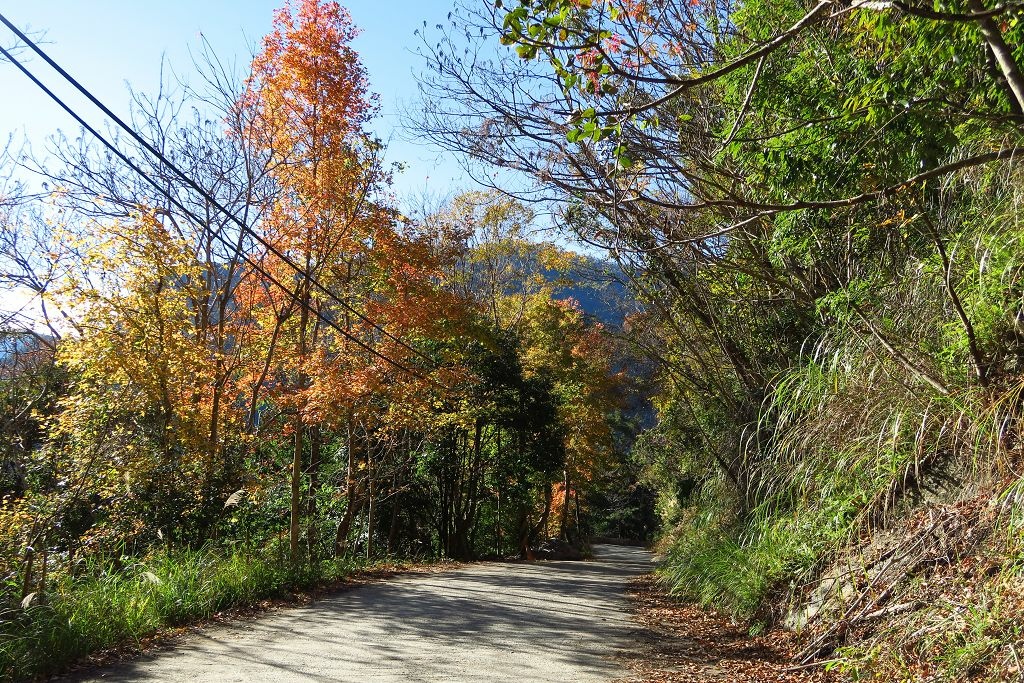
<point x="107" y="44"/>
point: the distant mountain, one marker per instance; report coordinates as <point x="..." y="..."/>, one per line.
<point x="599" y="287"/>
<point x="21" y="350"/>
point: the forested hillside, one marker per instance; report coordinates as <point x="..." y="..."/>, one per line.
<point x="251" y="372"/>
<point x="791" y="337"/>
<point x="818" y="206"/>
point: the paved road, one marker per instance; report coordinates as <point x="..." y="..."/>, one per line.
<point x="550" y="621"/>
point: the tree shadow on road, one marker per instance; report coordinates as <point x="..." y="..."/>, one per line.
<point x="547" y="621"/>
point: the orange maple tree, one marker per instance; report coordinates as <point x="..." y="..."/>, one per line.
<point x="308" y="104"/>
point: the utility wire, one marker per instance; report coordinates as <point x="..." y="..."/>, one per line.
<point x="198" y="188"/>
<point x="214" y="233"/>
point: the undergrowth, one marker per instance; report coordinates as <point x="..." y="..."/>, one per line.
<point x="112" y="603"/>
<point x="849" y="441"/>
<point x="964" y="624"/>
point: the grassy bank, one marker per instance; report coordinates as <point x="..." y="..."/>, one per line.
<point x="123" y="601"/>
<point x="935" y="595"/>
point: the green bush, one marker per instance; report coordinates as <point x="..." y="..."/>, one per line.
<point x="110" y="604"/>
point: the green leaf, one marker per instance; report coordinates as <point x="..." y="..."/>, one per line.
<point x="526" y="51"/>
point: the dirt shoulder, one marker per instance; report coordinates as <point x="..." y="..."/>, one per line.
<point x="684" y="643"/>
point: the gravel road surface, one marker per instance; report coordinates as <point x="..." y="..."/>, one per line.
<point x="548" y="621"/>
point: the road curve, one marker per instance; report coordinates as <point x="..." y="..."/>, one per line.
<point x="548" y="621"/>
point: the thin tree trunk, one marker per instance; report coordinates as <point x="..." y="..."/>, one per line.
<point x="212" y="448"/>
<point x="294" y="528"/>
<point x="977" y="358"/>
<point x="542" y="525"/>
<point x="255" y="394"/>
<point x="576" y="498"/>
<point x="914" y="368"/>
<point x="42" y="573"/>
<point x="296" y="512"/>
<point x="27" y="584"/>
<point x="497" y="468"/>
<point x="1002" y="52"/>
<point x="524" y="533"/>
<point x="314" y="481"/>
<point x="341" y="537"/>
<point x="393" y="527"/>
<point x="563" y="522"/>
<point x="371" y="490"/>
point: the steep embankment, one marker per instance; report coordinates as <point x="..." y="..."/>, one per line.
<point x="930" y="591"/>
<point x="935" y="595"/>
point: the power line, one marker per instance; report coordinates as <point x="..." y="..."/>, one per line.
<point x="195" y="186"/>
<point x="214" y="233"/>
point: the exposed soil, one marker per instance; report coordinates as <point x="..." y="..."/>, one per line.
<point x="680" y="642"/>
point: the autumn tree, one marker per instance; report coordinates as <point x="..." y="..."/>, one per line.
<point x="309" y="102"/>
<point x="137" y="416"/>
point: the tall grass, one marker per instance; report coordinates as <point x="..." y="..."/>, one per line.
<point x="846" y="435"/>
<point x="108" y="605"/>
<point x="841" y="438"/>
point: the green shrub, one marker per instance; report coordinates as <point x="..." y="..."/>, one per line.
<point x="110" y="604"/>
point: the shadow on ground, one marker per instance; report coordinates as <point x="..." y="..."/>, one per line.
<point x="551" y="621"/>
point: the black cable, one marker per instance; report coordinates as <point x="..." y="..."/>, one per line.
<point x="195" y="186"/>
<point x="214" y="233"/>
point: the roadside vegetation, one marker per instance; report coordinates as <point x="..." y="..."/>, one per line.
<point x="813" y="371"/>
<point x="818" y="205"/>
<point x="125" y="600"/>
<point x="248" y="373"/>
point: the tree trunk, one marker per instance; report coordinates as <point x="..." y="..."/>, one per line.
<point x="341" y="537"/>
<point x="294" y="527"/>
<point x="563" y="522"/>
<point x="296" y="515"/>
<point x="1002" y="52"/>
<point x="546" y="518"/>
<point x="542" y="525"/>
<point x="371" y="508"/>
<point x="393" y="527"/>
<point x="27" y="582"/>
<point x="314" y="481"/>
<point x="576" y="499"/>
<point x="524" y="533"/>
